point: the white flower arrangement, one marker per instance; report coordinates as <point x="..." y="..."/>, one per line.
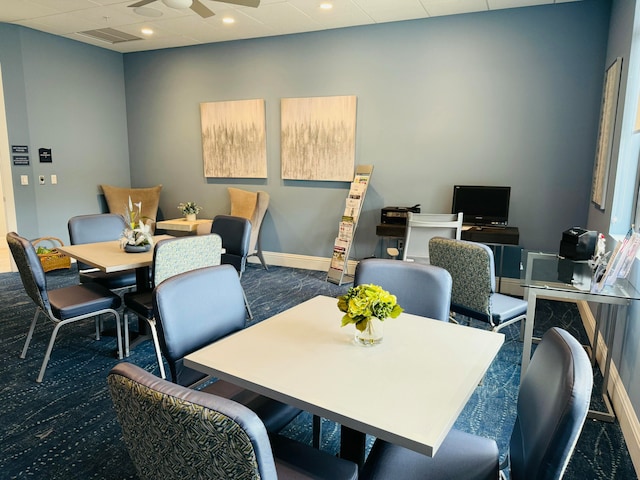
<point x="136" y="235"/>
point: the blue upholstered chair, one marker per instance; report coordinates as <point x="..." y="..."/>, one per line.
<point x="421" y="289"/>
<point x="193" y="310"/>
<point x="473" y="294"/>
<point x="236" y="240"/>
<point x="100" y="227"/>
<point x="173" y="432"/>
<point x="552" y="407"/>
<point x="170" y="257"/>
<point x="62" y="305"/>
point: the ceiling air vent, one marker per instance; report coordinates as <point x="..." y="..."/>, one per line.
<point x="109" y="35"/>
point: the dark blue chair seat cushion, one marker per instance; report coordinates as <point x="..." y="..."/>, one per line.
<point x="275" y="415"/>
<point x="461" y="456"/>
<point x="140" y="302"/>
<point x="295" y="460"/>
<point x="112" y="281"/>
<point x="82" y="299"/>
<point x="503" y="308"/>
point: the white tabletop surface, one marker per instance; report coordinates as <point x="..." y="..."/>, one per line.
<point x="109" y="256"/>
<point x="408" y="390"/>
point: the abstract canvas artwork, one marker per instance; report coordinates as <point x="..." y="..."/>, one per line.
<point x="234" y="139"/>
<point x="318" y="138"/>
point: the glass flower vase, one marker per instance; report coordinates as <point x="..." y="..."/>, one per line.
<point x="371" y="335"/>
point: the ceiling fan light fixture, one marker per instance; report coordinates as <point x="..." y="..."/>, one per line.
<point x="178" y="3"/>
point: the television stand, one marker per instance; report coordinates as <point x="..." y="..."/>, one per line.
<point x="498" y="234"/>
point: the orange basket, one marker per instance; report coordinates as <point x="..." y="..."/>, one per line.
<point x="53" y="260"/>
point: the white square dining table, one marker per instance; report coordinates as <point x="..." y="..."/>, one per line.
<point x="409" y="390"/>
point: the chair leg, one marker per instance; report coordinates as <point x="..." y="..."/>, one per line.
<point x="47" y="354"/>
<point x="126" y="333"/>
<point x="156" y="344"/>
<point x="97" y="328"/>
<point x="30" y="334"/>
<point x="246" y="304"/>
<point x="118" y="333"/>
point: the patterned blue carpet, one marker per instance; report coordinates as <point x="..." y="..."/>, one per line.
<point x="65" y="428"/>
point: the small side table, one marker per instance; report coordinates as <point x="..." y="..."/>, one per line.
<point x="181" y="224"/>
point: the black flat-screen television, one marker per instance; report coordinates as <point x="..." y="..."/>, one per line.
<point x="482" y="205"/>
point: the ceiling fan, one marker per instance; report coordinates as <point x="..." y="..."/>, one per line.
<point x="196" y="5"/>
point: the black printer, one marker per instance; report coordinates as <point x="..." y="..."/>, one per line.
<point x="578" y="243"/>
<point x="397" y="215"/>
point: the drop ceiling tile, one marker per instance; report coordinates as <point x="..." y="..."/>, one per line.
<point x="437" y="8"/>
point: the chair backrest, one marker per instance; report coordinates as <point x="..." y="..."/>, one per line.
<point x="420" y="289"/>
<point x="472" y="270"/>
<point x="175" y="433"/>
<point x="100" y="227"/>
<point x="236" y="235"/>
<point x="118" y="198"/>
<point x="421" y="227"/>
<point x="31" y="271"/>
<point x="194" y="309"/>
<point x="252" y="206"/>
<point x="552" y="406"/>
<point x="182" y="254"/>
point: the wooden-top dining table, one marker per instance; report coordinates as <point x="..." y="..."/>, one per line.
<point x="109" y="257"/>
<point x="408" y="390"/>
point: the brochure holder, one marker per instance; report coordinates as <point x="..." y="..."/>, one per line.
<point x="338" y="268"/>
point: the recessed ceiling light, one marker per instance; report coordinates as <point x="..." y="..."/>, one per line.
<point x="147" y="12"/>
<point x="228" y="20"/>
<point x="146" y="31"/>
<point x="326" y="6"/>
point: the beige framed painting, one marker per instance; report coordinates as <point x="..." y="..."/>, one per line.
<point x="318" y="138"/>
<point x="605" y="133"/>
<point x="234" y="139"/>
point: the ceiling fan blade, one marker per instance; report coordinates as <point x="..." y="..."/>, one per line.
<point x="200" y="9"/>
<point x="244" y="3"/>
<point x="142" y="3"/>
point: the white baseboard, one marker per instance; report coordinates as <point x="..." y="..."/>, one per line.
<point x="305" y="262"/>
<point x="617" y="393"/>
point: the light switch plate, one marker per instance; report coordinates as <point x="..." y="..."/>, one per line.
<point x="24" y="179"/>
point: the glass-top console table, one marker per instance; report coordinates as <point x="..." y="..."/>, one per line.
<point x="558" y="278"/>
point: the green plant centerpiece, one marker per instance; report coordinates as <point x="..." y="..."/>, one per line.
<point x="137" y="236"/>
<point x="362" y="305"/>
<point x="189" y="208"/>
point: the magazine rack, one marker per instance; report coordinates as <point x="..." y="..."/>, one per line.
<point x="338" y="269"/>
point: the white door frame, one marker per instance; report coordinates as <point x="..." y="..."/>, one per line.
<point x="8" y="221"/>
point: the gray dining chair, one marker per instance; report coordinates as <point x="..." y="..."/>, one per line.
<point x="236" y="240"/>
<point x="172" y="432"/>
<point x="196" y="308"/>
<point x="100" y="227"/>
<point x="420" y="289"/>
<point x="61" y="305"/>
<point x="552" y="406"/>
<point x="473" y="294"/>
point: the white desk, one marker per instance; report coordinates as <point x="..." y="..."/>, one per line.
<point x="409" y="390"/>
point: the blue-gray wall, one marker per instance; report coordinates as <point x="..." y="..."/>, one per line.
<point x="70" y="97"/>
<point x="509" y="97"/>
